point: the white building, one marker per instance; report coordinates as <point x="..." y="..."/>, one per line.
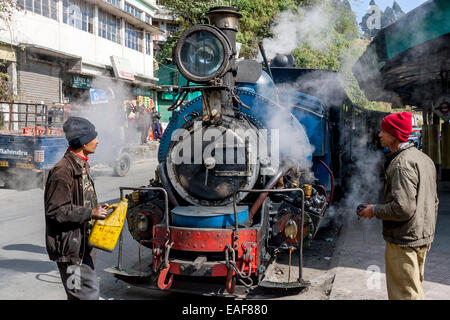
<point x="166" y="22"/>
<point x="57" y="49"/>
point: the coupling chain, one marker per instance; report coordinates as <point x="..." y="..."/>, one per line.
<point x="166" y="254"/>
<point x="239" y="273"/>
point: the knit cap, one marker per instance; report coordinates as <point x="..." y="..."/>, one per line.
<point x="79" y="131"/>
<point x="398" y="125"/>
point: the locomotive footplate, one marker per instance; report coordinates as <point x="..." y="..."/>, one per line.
<point x="283" y="273"/>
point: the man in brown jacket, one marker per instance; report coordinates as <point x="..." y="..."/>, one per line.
<point x="410" y="210"/>
<point x="70" y="204"/>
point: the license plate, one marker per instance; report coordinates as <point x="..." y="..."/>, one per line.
<point x="4" y="164"/>
<point x="24" y="165"/>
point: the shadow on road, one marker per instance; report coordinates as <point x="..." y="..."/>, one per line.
<point x="23" y="265"/>
<point x="26" y="247"/>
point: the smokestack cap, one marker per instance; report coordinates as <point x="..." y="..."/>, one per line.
<point x="224" y="17"/>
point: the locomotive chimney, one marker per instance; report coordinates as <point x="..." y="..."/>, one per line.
<point x="227" y="20"/>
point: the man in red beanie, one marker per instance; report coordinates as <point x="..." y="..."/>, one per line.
<point x="409" y="211"/>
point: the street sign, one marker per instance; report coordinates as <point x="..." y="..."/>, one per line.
<point x="442" y="108"/>
<point x="81" y="82"/>
<point x="98" y="96"/>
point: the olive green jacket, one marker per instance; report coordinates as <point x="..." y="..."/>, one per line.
<point x="410" y="206"/>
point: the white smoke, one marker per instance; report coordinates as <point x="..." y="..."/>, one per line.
<point x="115" y="130"/>
<point x="303" y="27"/>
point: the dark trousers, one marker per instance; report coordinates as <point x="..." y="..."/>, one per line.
<point x="80" y="281"/>
<point x="156" y="131"/>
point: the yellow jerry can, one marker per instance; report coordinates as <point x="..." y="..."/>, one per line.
<point x="104" y="233"/>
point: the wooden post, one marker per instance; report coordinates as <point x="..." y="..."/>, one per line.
<point x="434" y="138"/>
<point x="425" y="133"/>
<point x="445" y="173"/>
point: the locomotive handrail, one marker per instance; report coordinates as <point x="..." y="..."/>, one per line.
<point x="300" y="241"/>
<point x="166" y="213"/>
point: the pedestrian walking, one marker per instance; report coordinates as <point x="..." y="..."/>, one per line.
<point x="156" y="126"/>
<point x="409" y="211"/>
<point x="144" y="123"/>
<point x="70" y="208"/>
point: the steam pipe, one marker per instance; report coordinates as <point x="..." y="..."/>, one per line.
<point x="166" y="184"/>
<point x="272" y="182"/>
<point x="263" y="53"/>
<point x="332" y="181"/>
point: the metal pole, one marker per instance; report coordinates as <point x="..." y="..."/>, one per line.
<point x="300" y="241"/>
<point x="119" y="261"/>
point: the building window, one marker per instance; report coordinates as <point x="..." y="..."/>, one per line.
<point x="133" y="37"/>
<point x="46" y="8"/>
<point x="148" y="39"/>
<point x="108" y="26"/>
<point x="133" y="10"/>
<point x="78" y="14"/>
<point x="171" y="27"/>
<point x="148" y="19"/>
<point x="115" y="3"/>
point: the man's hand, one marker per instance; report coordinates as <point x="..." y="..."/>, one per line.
<point x="105" y="205"/>
<point x="367" y="212"/>
<point x="99" y="213"/>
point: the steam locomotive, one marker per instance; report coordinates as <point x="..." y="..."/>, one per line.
<point x="246" y="171"/>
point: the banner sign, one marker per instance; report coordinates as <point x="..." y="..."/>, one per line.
<point x="122" y="68"/>
<point x="81" y="82"/>
<point x="98" y="96"/>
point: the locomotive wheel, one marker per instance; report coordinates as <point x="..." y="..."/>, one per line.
<point x="122" y="166"/>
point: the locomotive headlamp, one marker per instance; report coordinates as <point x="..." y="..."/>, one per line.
<point x="203" y="53"/>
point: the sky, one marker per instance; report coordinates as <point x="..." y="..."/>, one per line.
<point x="360" y="6"/>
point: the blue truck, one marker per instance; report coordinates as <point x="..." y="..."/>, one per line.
<point x="32" y="141"/>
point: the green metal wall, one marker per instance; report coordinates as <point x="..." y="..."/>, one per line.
<point x="168" y="74"/>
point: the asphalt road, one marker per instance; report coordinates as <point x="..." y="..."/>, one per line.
<point x="26" y="273"/>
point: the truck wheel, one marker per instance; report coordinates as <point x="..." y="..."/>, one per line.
<point x="122" y="166"/>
